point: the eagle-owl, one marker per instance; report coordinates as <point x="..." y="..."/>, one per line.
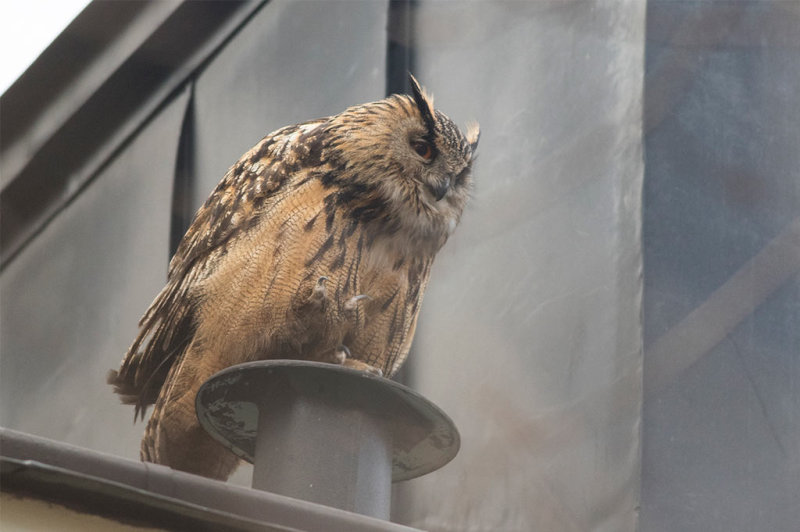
<point x="317" y="245"/>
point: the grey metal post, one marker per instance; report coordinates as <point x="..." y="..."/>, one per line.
<point x="324" y="433"/>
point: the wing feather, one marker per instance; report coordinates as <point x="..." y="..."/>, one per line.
<point x="241" y="197"/>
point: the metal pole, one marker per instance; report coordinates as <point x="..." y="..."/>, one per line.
<point x="310" y="446"/>
<point x="324" y="433"/>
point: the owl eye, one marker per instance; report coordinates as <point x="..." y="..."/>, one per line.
<point x="423" y="149"/>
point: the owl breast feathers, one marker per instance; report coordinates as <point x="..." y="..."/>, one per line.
<point x="317" y="245"/>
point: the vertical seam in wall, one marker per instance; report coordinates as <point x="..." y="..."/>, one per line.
<point x="400" y="45"/>
<point x="184" y="178"/>
<point x="400" y="60"/>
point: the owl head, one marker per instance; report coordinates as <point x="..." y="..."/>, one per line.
<point x="408" y="166"/>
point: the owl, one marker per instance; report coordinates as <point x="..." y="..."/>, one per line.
<point x="316" y="245"/>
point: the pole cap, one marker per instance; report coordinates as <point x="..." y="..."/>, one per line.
<point x="423" y="438"/>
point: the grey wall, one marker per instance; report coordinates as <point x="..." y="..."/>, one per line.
<point x="71" y="300"/>
<point x="295" y="61"/>
<point x="529" y="334"/>
<point x="722" y="253"/>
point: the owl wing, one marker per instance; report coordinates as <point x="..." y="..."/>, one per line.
<point x="235" y="205"/>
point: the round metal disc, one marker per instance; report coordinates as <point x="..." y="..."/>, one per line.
<point x="423" y="437"/>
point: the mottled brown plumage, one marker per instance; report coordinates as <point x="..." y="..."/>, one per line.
<point x="317" y="244"/>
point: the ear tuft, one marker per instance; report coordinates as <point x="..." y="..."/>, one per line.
<point x="473" y="135"/>
<point x="424" y="104"/>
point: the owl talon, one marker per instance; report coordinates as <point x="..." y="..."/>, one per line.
<point x="351" y="304"/>
<point x="372" y="370"/>
<point x="320" y="293"/>
<point x="342" y="357"/>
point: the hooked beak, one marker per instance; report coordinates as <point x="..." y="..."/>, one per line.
<point x="440" y="189"/>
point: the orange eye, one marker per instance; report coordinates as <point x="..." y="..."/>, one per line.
<point x="423" y="149"/>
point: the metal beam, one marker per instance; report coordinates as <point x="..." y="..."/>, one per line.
<point x="90" y="92"/>
<point x="707" y="325"/>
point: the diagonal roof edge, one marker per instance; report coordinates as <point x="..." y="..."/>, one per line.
<point x="91" y="91"/>
<point x="144" y="493"/>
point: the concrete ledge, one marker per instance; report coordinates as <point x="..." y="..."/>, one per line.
<point x="152" y="495"/>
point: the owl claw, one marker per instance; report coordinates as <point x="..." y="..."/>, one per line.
<point x="342" y="357"/>
<point x="352" y="303"/>
<point x="341" y="354"/>
<point x="378" y="372"/>
<point x="320" y="293"/>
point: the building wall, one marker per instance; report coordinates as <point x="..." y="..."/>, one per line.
<point x="721" y="436"/>
<point x="72" y="298"/>
<point x="529" y="335"/>
<point x="622" y="199"/>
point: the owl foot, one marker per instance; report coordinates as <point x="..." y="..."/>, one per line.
<point x="342" y="357"/>
<point x="351" y="304"/>
<point x="320" y="293"/>
<point x="341" y="354"/>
